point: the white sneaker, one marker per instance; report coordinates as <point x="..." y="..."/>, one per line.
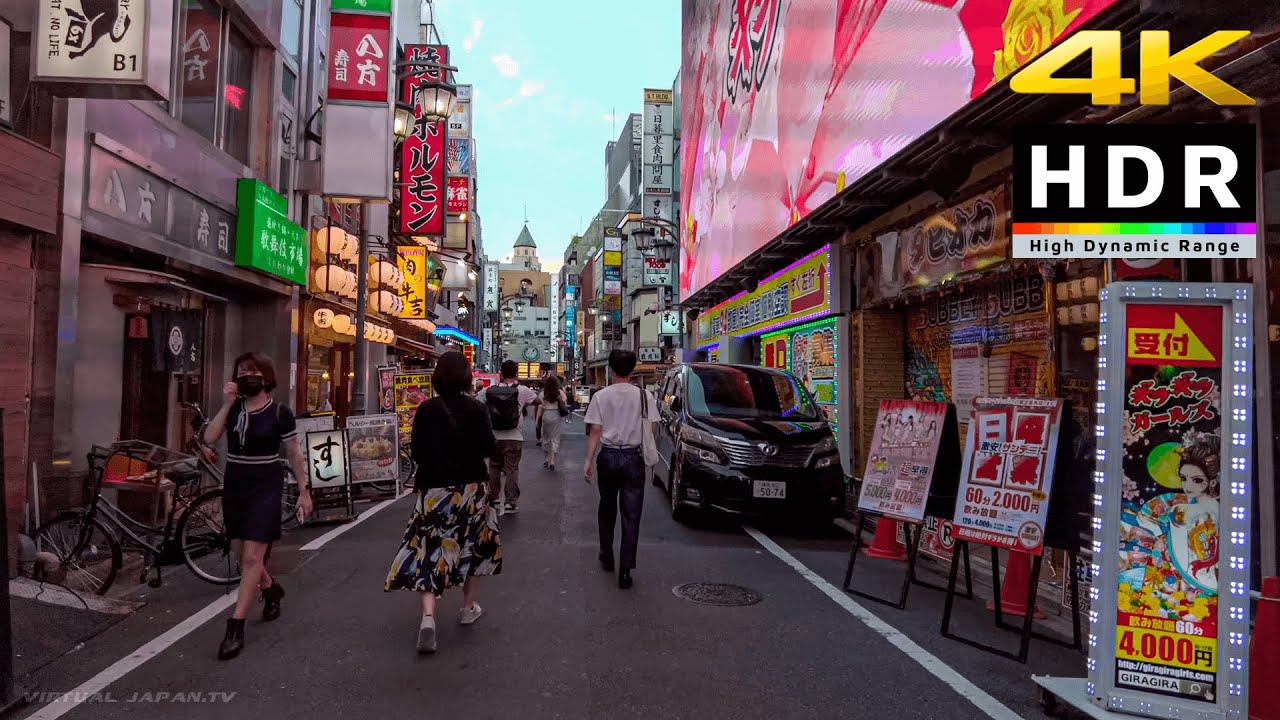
<point x="427" y="635"/>
<point x="471" y="614"/>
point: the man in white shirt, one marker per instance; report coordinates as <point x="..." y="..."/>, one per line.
<point x="507" y="402"/>
<point x="614" y="426"/>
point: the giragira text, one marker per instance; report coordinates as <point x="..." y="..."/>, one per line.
<point x="1106" y="83"/>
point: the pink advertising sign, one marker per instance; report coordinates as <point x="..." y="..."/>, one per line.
<point x="360" y="56"/>
<point x="784" y="103"/>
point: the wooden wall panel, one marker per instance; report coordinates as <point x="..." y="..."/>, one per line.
<point x="30" y="184"/>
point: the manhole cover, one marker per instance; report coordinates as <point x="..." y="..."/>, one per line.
<point x="719" y="594"/>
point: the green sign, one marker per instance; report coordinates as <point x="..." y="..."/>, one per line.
<point x="265" y="238"/>
<point x="371" y="6"/>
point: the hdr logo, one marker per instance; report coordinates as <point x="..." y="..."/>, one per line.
<point x="1134" y="191"/>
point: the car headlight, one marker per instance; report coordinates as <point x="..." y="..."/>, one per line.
<point x="827" y="446"/>
<point x="701" y="445"/>
<point x="827" y="461"/>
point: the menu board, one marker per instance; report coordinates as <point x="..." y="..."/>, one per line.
<point x="1008" y="470"/>
<point x="902" y="457"/>
<point x="968" y="377"/>
<point x="411" y="390"/>
<point x="386" y="388"/>
<point x="373" y="444"/>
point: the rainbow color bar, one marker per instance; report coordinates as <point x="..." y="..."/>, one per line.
<point x="1135" y="228"/>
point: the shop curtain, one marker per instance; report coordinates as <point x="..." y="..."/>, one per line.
<point x="177" y="341"/>
<point x="159" y="333"/>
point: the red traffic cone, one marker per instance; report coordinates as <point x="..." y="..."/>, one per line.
<point x="1264" y="655"/>
<point x="1013" y="590"/>
<point x="884" y="546"/>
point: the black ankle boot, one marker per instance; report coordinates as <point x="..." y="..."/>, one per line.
<point x="271" y="597"/>
<point x="624" y="580"/>
<point x="606" y="562"/>
<point x="233" y="642"/>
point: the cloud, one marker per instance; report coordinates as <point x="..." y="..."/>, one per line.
<point x="529" y="88"/>
<point x="608" y="117"/>
<point x="508" y="101"/>
<point x="507" y="65"/>
<point x="476" y="26"/>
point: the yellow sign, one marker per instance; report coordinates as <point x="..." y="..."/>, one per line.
<point x="411" y="390"/>
<point x="798" y="293"/>
<point x="1176" y="343"/>
<point x="412" y="262"/>
<point x="612" y="258"/>
<point x="1173" y="649"/>
<point x="1107" y="85"/>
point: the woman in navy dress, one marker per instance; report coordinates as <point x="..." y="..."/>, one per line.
<point x="253" y="489"/>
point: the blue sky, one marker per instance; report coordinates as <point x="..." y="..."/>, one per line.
<point x="547" y="76"/>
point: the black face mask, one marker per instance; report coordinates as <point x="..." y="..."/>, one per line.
<point x="249" y="385"/>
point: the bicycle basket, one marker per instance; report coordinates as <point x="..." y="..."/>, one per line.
<point x="138" y="464"/>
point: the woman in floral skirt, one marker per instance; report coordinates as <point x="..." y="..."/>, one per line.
<point x="452" y="538"/>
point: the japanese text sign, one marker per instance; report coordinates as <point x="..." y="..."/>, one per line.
<point x="656" y="271"/>
<point x="201" y="48"/>
<point x="361" y="54"/>
<point x="327" y="459"/>
<point x="374" y="445"/>
<point x="968" y="237"/>
<point x="417" y="75"/>
<point x="369" y="6"/>
<point x="1008" y="472"/>
<point x="459" y="197"/>
<point x="413" y="264"/>
<point x="900" y="462"/>
<point x="412" y="389"/>
<point x="266" y="240"/>
<point x="423" y="158"/>
<point x="801" y="291"/>
<point x="1172" y="505"/>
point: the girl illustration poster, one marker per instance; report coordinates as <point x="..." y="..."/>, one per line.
<point x="1169" y="539"/>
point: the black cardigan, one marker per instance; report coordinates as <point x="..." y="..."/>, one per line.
<point x="451" y="439"/>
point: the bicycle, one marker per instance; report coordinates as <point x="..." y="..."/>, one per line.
<point x="408" y="468"/>
<point x="206" y="456"/>
<point x="89" y="543"/>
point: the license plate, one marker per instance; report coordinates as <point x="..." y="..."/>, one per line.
<point x="769" y="489"/>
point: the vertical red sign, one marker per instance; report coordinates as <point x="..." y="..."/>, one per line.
<point x="360" y="56"/>
<point x="422" y="154"/>
<point x="459" y="195"/>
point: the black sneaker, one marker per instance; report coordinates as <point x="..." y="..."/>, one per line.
<point x="624" y="580"/>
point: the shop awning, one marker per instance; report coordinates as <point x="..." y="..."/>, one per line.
<point x="413" y="346"/>
<point x="941" y="159"/>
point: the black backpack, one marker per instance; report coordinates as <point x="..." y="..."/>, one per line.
<point x="504" y="406"/>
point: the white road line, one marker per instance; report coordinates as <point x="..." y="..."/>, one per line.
<point x="336" y="532"/>
<point x="86" y="691"/>
<point x="939" y="669"/>
<point x="74" y="698"/>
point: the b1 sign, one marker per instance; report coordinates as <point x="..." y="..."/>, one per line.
<point x="104" y="48"/>
<point x="1135" y="191"/>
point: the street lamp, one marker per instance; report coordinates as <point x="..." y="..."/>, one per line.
<point x="506" y="313"/>
<point x="403" y="121"/>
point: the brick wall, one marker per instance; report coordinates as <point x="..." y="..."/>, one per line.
<point x="879" y="367"/>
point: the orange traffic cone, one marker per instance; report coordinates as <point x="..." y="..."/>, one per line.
<point x="1264" y="655"/>
<point x="1013" y="590"/>
<point x="884" y="546"/>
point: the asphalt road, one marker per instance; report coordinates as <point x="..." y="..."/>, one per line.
<point x="558" y="639"/>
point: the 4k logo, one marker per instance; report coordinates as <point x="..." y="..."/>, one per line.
<point x="1106" y="83"/>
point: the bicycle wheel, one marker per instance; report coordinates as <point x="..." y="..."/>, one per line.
<point x="408" y="468"/>
<point x="384" y="486"/>
<point x="89" y="556"/>
<point x="289" y="504"/>
<point x="206" y="549"/>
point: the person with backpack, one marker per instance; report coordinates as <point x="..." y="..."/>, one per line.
<point x="507" y="402"/>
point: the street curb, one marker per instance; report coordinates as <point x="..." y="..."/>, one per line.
<point x="57" y="595"/>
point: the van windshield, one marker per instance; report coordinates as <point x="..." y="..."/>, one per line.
<point x="759" y="393"/>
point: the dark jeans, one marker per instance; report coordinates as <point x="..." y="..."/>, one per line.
<point x="620" y="473"/>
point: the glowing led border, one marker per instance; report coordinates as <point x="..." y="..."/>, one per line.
<point x="453" y="332"/>
<point x="835" y="381"/>
<point x="787" y="320"/>
<point x="1235" y="479"/>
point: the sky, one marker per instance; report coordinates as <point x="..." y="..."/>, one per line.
<point x="548" y="77"/>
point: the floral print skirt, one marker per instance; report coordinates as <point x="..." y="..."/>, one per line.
<point x="452" y="535"/>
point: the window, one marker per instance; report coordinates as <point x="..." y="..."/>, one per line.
<point x="291" y="30"/>
<point x="201" y="50"/>
<point x="749" y="393"/>
<point x="238" y="97"/>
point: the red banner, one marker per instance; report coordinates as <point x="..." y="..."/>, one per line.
<point x="422" y="155"/>
<point x="420" y="74"/>
<point x="459" y="195"/>
<point x="360" y="53"/>
<point x="1139" y="269"/>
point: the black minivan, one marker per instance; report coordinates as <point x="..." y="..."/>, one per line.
<point x="748" y="440"/>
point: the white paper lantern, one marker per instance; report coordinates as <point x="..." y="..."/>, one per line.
<point x="341" y="323"/>
<point x="329" y="278"/>
<point x="382" y="301"/>
<point x="352" y="330"/>
<point x="1091" y="312"/>
<point x="323" y="318"/>
<point x="399" y="305"/>
<point x="1064" y="316"/>
<point x="368" y="331"/>
<point x="1061" y="291"/>
<point x="1091" y="287"/>
<point x="383" y="273"/>
<point x="351" y="251"/>
<point x="330" y="240"/>
<point x="391" y="336"/>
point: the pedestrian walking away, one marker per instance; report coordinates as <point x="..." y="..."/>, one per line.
<point x="253" y="487"/>
<point x="555" y="408"/>
<point x="507" y="403"/>
<point x="616" y="422"/>
<point x="452" y="537"/>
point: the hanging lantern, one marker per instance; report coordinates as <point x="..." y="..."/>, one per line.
<point x="341" y="323"/>
<point x="382" y="273"/>
<point x="351" y="251"/>
<point x="383" y="301"/>
<point x="329" y="278"/>
<point x="391" y="336"/>
<point x="323" y="318"/>
<point x="330" y="240"/>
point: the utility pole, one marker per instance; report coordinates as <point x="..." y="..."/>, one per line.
<point x="362" y="309"/>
